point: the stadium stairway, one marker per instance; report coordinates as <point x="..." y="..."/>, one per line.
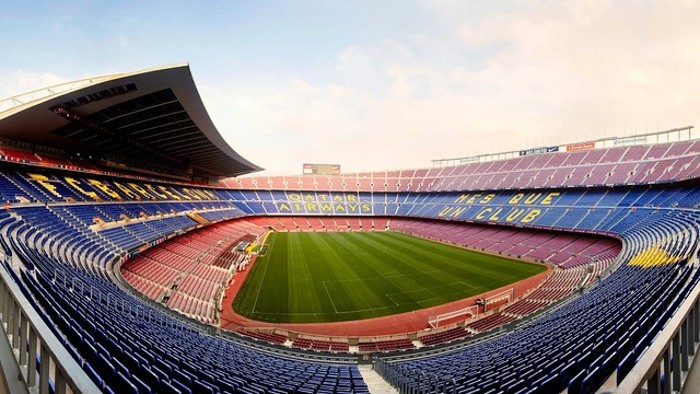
<point x="375" y="383"/>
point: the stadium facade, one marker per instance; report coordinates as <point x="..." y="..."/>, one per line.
<point x="125" y="222"/>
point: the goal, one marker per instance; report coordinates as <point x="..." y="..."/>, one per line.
<point x="470" y="311"/>
<point x="501" y="298"/>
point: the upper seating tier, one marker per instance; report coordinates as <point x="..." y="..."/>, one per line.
<point x="633" y="165"/>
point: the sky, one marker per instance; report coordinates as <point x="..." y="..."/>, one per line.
<point x="375" y="85"/>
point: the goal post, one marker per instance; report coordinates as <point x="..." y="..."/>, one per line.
<point x="470" y="311"/>
<point x="506" y="295"/>
<point x="262" y="241"/>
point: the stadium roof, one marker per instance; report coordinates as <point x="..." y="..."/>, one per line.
<point x="154" y="115"/>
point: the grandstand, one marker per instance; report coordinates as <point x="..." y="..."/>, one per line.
<point x="126" y="224"/>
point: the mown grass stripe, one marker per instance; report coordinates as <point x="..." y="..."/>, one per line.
<point x="326" y="277"/>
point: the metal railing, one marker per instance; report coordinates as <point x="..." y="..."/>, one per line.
<point x="659" y="137"/>
<point x="414" y="382"/>
<point x="41" y="358"/>
<point x="664" y="366"/>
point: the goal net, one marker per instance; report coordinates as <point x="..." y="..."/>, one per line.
<point x="495" y="300"/>
<point x="501" y="298"/>
<point x="470" y="311"/>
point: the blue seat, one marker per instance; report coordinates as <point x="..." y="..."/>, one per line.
<point x="575" y="384"/>
<point x="167" y="388"/>
<point x="181" y="387"/>
<point x="149" y="377"/>
<point x="142" y="386"/>
<point x="93" y="375"/>
<point x="203" y="388"/>
<point x="124" y="385"/>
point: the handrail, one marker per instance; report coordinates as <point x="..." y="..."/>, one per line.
<point x="669" y="354"/>
<point x="37" y="351"/>
<point x="672" y="135"/>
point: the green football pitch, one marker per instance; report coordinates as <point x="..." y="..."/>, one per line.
<point x="342" y="276"/>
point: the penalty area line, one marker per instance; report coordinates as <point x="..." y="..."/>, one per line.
<point x="257" y="295"/>
<point x="329" y="296"/>
<point x="392" y="300"/>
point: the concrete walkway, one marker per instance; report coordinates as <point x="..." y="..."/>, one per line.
<point x="375" y="383"/>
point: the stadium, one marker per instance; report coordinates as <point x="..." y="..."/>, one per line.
<point x="138" y="258"/>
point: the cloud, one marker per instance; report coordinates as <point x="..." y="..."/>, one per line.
<point x="122" y="41"/>
<point x="536" y="73"/>
<point x="19" y="82"/>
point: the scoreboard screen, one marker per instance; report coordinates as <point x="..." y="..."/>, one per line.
<point x="321" y="169"/>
